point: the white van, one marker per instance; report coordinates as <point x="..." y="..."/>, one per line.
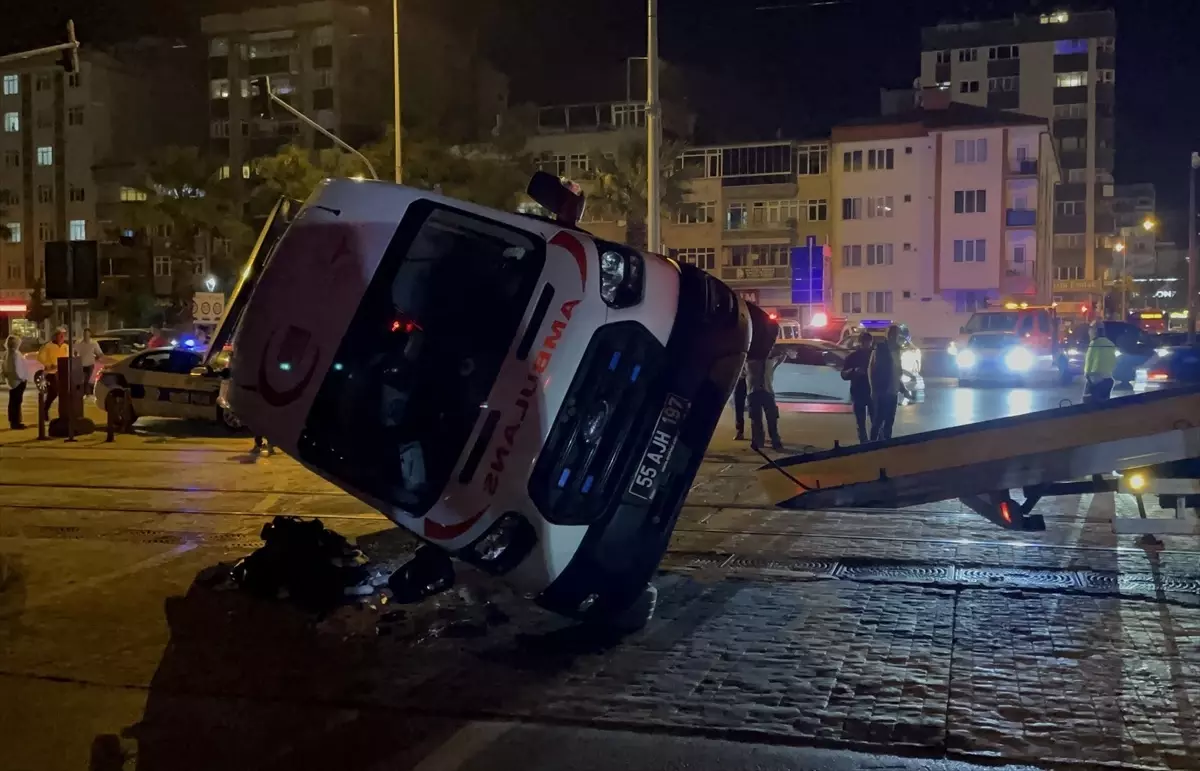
<point x="553" y="445"/>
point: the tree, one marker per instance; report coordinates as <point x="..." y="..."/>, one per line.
<point x="480" y="173"/>
<point x="616" y="187"/>
<point x="187" y="203"/>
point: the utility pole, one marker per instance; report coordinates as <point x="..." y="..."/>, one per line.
<point x="396" y="87"/>
<point x="653" y="131"/>
<point x="1191" y="299"/>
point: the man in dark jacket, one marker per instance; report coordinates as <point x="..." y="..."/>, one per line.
<point x="856" y="369"/>
<point x="885" y="375"/>
<point x="760" y="381"/>
<point x="739" y="406"/>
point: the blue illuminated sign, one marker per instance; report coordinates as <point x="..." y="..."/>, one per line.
<point x="808" y="273"/>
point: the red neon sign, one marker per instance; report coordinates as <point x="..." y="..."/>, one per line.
<point x="13" y="307"/>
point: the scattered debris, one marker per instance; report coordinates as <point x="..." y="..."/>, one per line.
<point x="305" y="562"/>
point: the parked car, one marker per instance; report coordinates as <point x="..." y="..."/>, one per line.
<point x="166" y="383"/>
<point x="910" y="354"/>
<point x="812" y="372"/>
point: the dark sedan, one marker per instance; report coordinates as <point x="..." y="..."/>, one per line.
<point x="1171" y="365"/>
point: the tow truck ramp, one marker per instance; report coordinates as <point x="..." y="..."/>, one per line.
<point x="1141" y="444"/>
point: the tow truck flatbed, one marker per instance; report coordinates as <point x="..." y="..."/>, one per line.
<point x="1051" y="452"/>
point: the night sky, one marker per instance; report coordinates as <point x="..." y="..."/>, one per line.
<point x="770" y="67"/>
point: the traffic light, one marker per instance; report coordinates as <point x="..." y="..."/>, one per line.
<point x="70" y="57"/>
<point x="260" y="97"/>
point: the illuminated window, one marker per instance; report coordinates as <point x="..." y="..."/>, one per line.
<point x="45" y="156"/>
<point x="132" y="194"/>
<point x="12" y="121"/>
<point x="1058" y="17"/>
<point x="78" y="230"/>
<point x="224" y="172"/>
<point x="14" y="232"/>
<point x="1070" y="79"/>
<point x="245" y="171"/>
<point x="12" y="85"/>
<point x="219" y="88"/>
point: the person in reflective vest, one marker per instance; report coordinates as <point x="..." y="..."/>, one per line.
<point x="1098" y="366"/>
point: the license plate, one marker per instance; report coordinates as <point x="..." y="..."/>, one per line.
<point x="658" y="453"/>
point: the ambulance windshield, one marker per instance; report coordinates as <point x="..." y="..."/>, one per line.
<point x="418" y="361"/>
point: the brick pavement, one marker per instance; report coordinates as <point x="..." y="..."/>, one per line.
<point x="903" y="631"/>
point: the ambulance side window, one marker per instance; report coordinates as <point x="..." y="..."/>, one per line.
<point x="1026" y="327"/>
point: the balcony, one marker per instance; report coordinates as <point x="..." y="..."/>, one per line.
<point x="1025" y="167"/>
<point x="1020" y="278"/>
<point x="755" y="273"/>
<point x="1020" y="218"/>
<point x="758" y="228"/>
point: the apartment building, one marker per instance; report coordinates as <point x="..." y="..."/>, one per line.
<point x="938" y="211"/>
<point x="333" y="62"/>
<point x="1138" y="229"/>
<point x="1060" y="66"/>
<point x="749" y="207"/>
<point x="746" y="206"/>
<point x="69" y="145"/>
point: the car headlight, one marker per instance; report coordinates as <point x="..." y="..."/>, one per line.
<point x="1018" y="359"/>
<point x="952" y="349"/>
<point x="503" y="546"/>
<point x="1162" y="351"/>
<point x="622" y="279"/>
<point x="966" y="358"/>
<point x="1072" y="351"/>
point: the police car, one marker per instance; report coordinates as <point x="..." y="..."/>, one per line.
<point x="166" y="383"/>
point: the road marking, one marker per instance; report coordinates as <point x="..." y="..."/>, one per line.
<point x="463" y="745"/>
<point x="75" y="587"/>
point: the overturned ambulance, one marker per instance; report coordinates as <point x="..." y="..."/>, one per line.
<point x="518" y="393"/>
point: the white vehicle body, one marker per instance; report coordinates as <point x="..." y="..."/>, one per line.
<point x="566" y="430"/>
<point x="162" y="383"/>
<point x="809" y="374"/>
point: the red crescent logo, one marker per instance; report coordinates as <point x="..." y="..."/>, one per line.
<point x="282" y="398"/>
<point x="572" y="245"/>
<point x="440" y="532"/>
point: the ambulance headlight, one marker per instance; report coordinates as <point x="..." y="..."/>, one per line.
<point x="1019" y="360"/>
<point x="965" y="358"/>
<point x="503" y="546"/>
<point x="622" y="278"/>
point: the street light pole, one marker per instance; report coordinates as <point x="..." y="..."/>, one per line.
<point x="1191" y="299"/>
<point x="396" y="86"/>
<point x="653" y="130"/>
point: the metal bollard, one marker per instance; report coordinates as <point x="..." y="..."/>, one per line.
<point x="41" y="408"/>
<point x="108" y="434"/>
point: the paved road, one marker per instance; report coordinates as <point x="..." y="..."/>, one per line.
<point x="918" y="632"/>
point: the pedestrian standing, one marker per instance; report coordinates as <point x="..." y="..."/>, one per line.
<point x="856" y="369"/>
<point x="886" y="378"/>
<point x="16" y="372"/>
<point x="89" y="353"/>
<point x="760" y="382"/>
<point x="48" y="355"/>
<point x="1098" y="366"/>
<point x="739" y="406"/>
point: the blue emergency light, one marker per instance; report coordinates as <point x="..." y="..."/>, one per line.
<point x="875" y="323"/>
